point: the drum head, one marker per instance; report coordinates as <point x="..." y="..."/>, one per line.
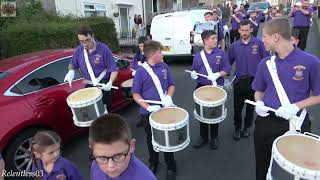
<point x="85" y="94"/>
<point x="300" y="150"/>
<point x="127" y="83"/>
<point x="210" y="93"/>
<point x="169" y="115"/>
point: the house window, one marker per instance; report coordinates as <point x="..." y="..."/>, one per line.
<point x="179" y="4"/>
<point x="94" y="10"/>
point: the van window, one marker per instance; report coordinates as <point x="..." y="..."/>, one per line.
<point x="199" y="28"/>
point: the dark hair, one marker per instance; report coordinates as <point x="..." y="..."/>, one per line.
<point x="280" y="26"/>
<point x="208" y="13"/>
<point x="295" y="33"/>
<point x="142" y="39"/>
<point x="206" y="34"/>
<point x="108" y="129"/>
<point x="84" y="30"/>
<point x="245" y="22"/>
<point x="150" y="47"/>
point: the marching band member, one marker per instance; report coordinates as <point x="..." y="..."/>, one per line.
<point x="139" y="58"/>
<point x="247" y="53"/>
<point x="153" y="81"/>
<point x="292" y="73"/>
<point x="213" y="62"/>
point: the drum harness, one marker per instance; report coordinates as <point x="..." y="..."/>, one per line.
<point x="94" y="80"/>
<point x="207" y="66"/>
<point x="294" y="123"/>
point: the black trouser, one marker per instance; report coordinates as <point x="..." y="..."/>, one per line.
<point x="234" y="34"/>
<point x="255" y="33"/>
<point x="303" y="36"/>
<point x="107" y="95"/>
<point x="242" y="90"/>
<point x="154" y="156"/>
<point x="267" y="129"/>
<point x="204" y="127"/>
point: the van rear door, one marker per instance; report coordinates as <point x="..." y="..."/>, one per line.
<point x="182" y="26"/>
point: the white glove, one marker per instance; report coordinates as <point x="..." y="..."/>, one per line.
<point x="107" y="87"/>
<point x="261" y="109"/>
<point x="69" y="77"/>
<point x="168" y="101"/>
<point x="194" y="75"/>
<point x="139" y="63"/>
<point x="153" y="108"/>
<point x="133" y="73"/>
<point x="227" y="84"/>
<point x="287" y="111"/>
<point x="213" y="77"/>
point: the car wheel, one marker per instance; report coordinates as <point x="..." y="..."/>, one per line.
<point x="18" y="154"/>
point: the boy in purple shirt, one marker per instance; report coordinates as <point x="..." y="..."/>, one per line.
<point x="213" y="16"/>
<point x="236" y="18"/>
<point x="101" y="60"/>
<point x="247" y="53"/>
<point x="139" y="57"/>
<point x="143" y="88"/>
<point x="301" y="21"/>
<point x="219" y="64"/>
<point x="271" y="14"/>
<point x="113" y="151"/>
<point x="299" y="74"/>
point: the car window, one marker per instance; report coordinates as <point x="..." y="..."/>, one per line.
<point x="199" y="28"/>
<point x="46" y="76"/>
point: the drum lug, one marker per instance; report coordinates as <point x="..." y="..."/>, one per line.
<point x="312" y="135"/>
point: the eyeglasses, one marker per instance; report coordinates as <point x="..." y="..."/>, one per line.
<point x="85" y="41"/>
<point x="117" y="158"/>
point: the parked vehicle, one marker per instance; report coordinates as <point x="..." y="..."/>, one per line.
<point x="33" y="97"/>
<point x="262" y="6"/>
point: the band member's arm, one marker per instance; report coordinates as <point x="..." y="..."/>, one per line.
<point x="231" y="56"/>
<point x="235" y="18"/>
<point x="223" y="44"/>
<point x="113" y="76"/>
<point x="305" y="11"/>
<point x="171" y="90"/>
<point x="310" y="101"/>
<point x="258" y="95"/>
<point x="136" y="97"/>
<point x="256" y="24"/>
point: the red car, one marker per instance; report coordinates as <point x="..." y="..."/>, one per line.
<point x="33" y="97"/>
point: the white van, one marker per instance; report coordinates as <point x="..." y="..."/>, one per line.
<point x="173" y="30"/>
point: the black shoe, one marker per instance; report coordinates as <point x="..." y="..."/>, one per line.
<point x="237" y="134"/>
<point x="245" y="133"/>
<point x="153" y="167"/>
<point x="200" y="143"/>
<point x="139" y="124"/>
<point x="214" y="144"/>
<point x="171" y="175"/>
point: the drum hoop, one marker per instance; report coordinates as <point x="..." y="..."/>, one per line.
<point x="173" y="126"/>
<point x="298" y="170"/>
<point x="80" y="104"/>
<point x="124" y="82"/>
<point x="209" y="121"/>
<point x="158" y="147"/>
<point x="210" y="104"/>
<point x="85" y="123"/>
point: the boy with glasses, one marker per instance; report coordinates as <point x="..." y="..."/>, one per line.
<point x="113" y="146"/>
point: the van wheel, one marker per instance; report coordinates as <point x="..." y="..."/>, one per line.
<point x="18" y="153"/>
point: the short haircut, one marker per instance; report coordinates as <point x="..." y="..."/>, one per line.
<point x="142" y="39"/>
<point x="245" y="22"/>
<point x="206" y="34"/>
<point x="208" y="13"/>
<point x="280" y="26"/>
<point x="84" y="30"/>
<point x="150" y="47"/>
<point x="108" y="129"/>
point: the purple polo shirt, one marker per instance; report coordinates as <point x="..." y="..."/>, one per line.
<point x="254" y="27"/>
<point x="220" y="31"/>
<point x="100" y="59"/>
<point x="259" y="15"/>
<point x="299" y="74"/>
<point x="247" y="56"/>
<point x="143" y="84"/>
<point x="137" y="57"/>
<point x="61" y="168"/>
<point x="234" y="24"/>
<point x="136" y="171"/>
<point x="301" y="19"/>
<point x="269" y="18"/>
<point x="218" y="61"/>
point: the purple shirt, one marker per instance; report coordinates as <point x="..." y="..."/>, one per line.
<point x="137" y="57"/>
<point x="269" y="18"/>
<point x="218" y="61"/>
<point x="299" y="74"/>
<point x="220" y="31"/>
<point x="136" y="171"/>
<point x="234" y="24"/>
<point x="301" y="19"/>
<point x="100" y="59"/>
<point x="254" y="27"/>
<point x="62" y="167"/>
<point x="143" y="84"/>
<point x="247" y="56"/>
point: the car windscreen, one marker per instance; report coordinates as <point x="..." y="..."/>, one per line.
<point x="259" y="5"/>
<point x="3" y="75"/>
<point x="199" y="28"/>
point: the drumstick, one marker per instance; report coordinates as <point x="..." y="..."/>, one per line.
<point x="151" y="101"/>
<point x="188" y="71"/>
<point x="99" y="84"/>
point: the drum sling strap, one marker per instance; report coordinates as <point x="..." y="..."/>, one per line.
<point x="207" y="66"/>
<point x="94" y="80"/>
<point x="155" y="80"/>
<point x="294" y="123"/>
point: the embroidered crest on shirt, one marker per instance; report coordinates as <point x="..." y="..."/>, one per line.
<point x="97" y="59"/>
<point x="254" y="49"/>
<point x="164" y="72"/>
<point x="61" y="177"/>
<point x="298" y="75"/>
<point x="218" y="59"/>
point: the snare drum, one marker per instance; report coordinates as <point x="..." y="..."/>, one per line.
<point x="170" y="129"/>
<point x="210" y="104"/>
<point x="86" y="106"/>
<point x="295" y="157"/>
<point x="126" y="88"/>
